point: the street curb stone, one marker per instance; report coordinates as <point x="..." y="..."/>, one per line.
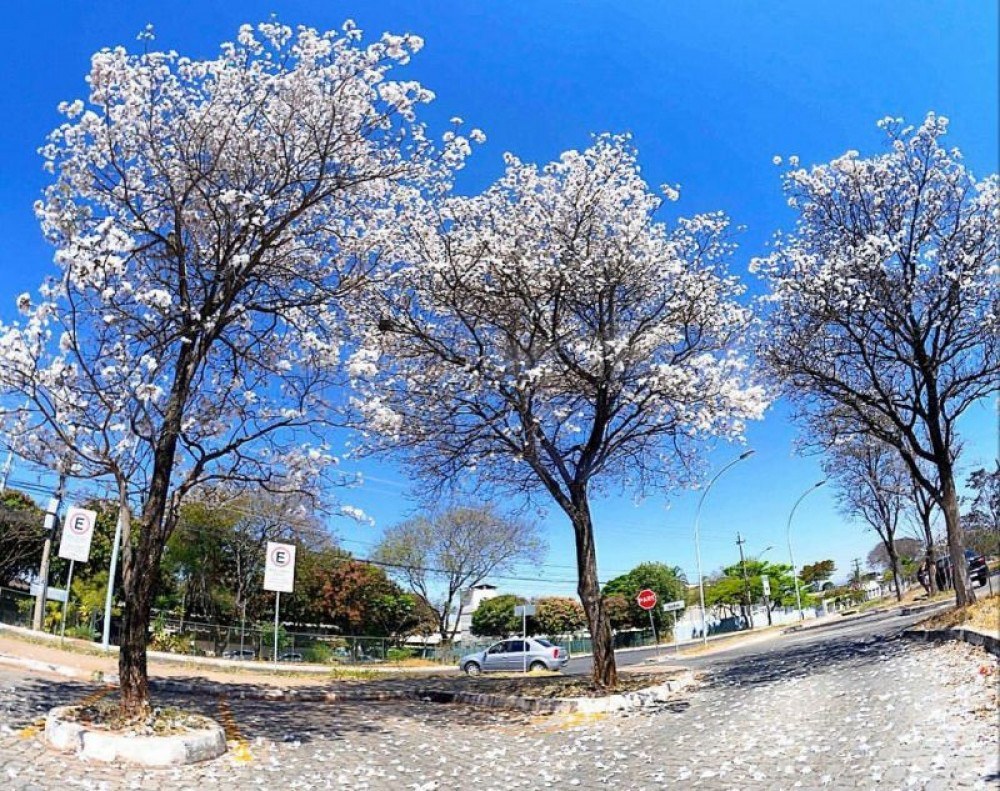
<point x="985" y="641"/>
<point x="176" y="750"/>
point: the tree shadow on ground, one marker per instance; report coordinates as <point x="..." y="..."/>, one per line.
<point x="767" y="668"/>
<point x="251" y="718"/>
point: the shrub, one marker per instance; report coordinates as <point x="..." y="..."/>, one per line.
<point x="318" y="653"/>
<point x="399" y="654"/>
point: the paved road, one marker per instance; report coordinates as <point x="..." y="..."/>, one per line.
<point x="770" y="644"/>
<point x="859" y="710"/>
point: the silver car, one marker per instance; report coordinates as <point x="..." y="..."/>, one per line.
<point x="514" y="655"/>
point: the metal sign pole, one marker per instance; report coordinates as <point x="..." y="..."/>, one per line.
<point x="243" y="625"/>
<point x="51" y="512"/>
<point x="277" y="604"/>
<point x="109" y="596"/>
<point x="652" y="626"/>
<point x="524" y="640"/>
<point x="69" y="587"/>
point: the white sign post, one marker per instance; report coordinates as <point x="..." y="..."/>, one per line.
<point x="279" y="576"/>
<point x="524" y="610"/>
<point x="78" y="530"/>
<point x="674" y="606"/>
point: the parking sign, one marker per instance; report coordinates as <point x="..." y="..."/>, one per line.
<point x="279" y="568"/>
<point x="78" y="530"/>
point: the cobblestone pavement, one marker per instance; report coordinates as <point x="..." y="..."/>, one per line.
<point x="860" y="714"/>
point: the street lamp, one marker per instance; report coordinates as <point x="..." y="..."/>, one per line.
<point x="697" y="540"/>
<point x="766" y="585"/>
<point x="791" y="557"/>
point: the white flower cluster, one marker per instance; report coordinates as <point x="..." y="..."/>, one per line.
<point x="550" y="307"/>
<point x="209" y="218"/>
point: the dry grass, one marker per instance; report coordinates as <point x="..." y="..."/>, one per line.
<point x="106" y="715"/>
<point x="983" y="614"/>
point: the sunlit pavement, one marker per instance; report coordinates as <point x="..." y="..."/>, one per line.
<point x="864" y="711"/>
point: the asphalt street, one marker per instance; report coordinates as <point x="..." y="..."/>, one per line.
<point x="771" y="645"/>
<point x="839" y="709"/>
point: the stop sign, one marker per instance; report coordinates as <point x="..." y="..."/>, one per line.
<point x="646" y="599"/>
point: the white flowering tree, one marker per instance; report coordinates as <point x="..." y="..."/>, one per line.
<point x="209" y="216"/>
<point x="551" y="335"/>
<point x="884" y="310"/>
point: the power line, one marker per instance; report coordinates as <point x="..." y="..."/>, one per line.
<point x="293" y="521"/>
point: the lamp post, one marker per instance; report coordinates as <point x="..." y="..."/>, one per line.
<point x="766" y="585"/>
<point x="791" y="557"/>
<point x="697" y="540"/>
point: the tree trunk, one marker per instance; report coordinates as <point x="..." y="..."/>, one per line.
<point x="964" y="595"/>
<point x="930" y="564"/>
<point x="605" y="674"/>
<point x="142" y="561"/>
<point x="894" y="566"/>
<point x="139" y="579"/>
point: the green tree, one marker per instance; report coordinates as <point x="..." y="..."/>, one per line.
<point x="725" y="594"/>
<point x="557" y="615"/>
<point x="906" y="550"/>
<point x="360" y="599"/>
<point x="817" y="572"/>
<point x="669" y="584"/>
<point x="728" y="591"/>
<point x="21" y="535"/>
<point x="619" y="611"/>
<point x="981" y="522"/>
<point x="495" y="617"/>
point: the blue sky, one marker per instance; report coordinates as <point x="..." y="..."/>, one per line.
<point x="710" y="91"/>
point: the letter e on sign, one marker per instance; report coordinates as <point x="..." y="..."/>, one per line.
<point x="78" y="530"/>
<point x="279" y="567"/>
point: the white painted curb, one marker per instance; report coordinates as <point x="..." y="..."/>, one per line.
<point x="178" y="750"/>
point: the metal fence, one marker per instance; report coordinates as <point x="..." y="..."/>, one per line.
<point x="255" y="641"/>
<point x="16" y="607"/>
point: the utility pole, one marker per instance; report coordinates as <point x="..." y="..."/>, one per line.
<point x="8" y="463"/>
<point x="857" y="572"/>
<point x="740" y="541"/>
<point x="5" y="473"/>
<point x="38" y="617"/>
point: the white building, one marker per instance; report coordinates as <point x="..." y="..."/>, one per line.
<point x="471" y="599"/>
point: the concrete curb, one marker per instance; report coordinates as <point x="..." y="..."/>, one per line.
<point x="43" y="667"/>
<point x="66" y="735"/>
<point x="985" y="641"/>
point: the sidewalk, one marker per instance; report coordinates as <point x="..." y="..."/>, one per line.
<point x="84" y="660"/>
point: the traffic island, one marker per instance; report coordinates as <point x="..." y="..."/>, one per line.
<point x="168" y="737"/>
<point x="644" y="695"/>
<point x="542" y="693"/>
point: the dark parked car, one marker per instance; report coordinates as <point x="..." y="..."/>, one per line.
<point x="978" y="570"/>
<point x="976" y="564"/>
<point x="291" y="656"/>
<point x="246" y="654"/>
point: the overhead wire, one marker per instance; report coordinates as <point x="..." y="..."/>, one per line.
<point x="292" y="521"/>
